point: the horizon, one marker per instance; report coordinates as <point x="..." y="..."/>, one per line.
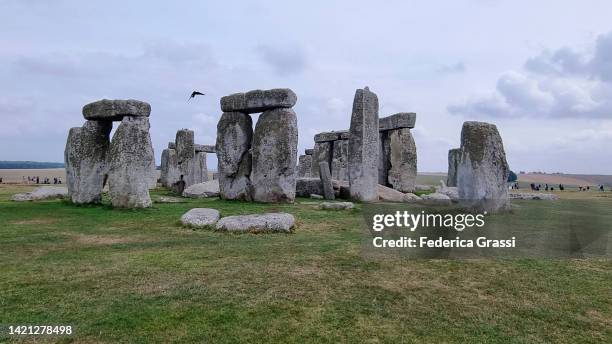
<point x="545" y="84"/>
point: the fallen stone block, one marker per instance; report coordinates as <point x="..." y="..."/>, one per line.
<point x="202" y="190"/>
<point x="41" y="193"/>
<point x="336" y="205"/>
<point x="200" y="218"/>
<point x="268" y="222"/>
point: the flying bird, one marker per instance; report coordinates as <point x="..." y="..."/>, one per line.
<point x="195" y="93"/>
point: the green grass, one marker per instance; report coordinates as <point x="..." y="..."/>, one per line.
<point x="122" y="276"/>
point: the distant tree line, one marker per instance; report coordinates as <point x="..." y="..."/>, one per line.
<point x="29" y="165"/>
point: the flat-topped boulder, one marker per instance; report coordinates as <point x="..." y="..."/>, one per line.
<point x="268" y="222"/>
<point x="259" y="100"/>
<point x="309" y="151"/>
<point x="329" y="136"/>
<point x="115" y="110"/>
<point x="205" y="148"/>
<point x="397" y="121"/>
<point x="200" y="217"/>
<point x="202" y="190"/>
<point x="336" y="205"/>
<point x="41" y="193"/>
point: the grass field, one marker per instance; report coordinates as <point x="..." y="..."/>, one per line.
<point x="122" y="276"/>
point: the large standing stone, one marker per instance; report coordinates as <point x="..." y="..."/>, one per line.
<point x="234" y="135"/>
<point x="170" y="173"/>
<point x="328" y="187"/>
<point x="482" y="172"/>
<point x="322" y="153"/>
<point x="402" y="160"/>
<point x="131" y="160"/>
<point x="384" y="151"/>
<point x="453" y="161"/>
<point x="339" y="166"/>
<point x="275" y="156"/>
<point x="85" y="159"/>
<point x="304" y="166"/>
<point x="185" y="149"/>
<point x="115" y="110"/>
<point x="363" y="146"/>
<point x="259" y="100"/>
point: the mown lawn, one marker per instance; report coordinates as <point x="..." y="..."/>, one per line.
<point x="120" y="276"/>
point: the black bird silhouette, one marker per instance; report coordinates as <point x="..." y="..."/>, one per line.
<point x="195" y="93"/>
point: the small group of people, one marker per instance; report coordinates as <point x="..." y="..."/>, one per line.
<point x="546" y="187"/>
<point x="36" y="180"/>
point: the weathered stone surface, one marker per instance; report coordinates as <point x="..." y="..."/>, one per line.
<point x="402" y="160"/>
<point x="453" y="162"/>
<point x="304" y="187"/>
<point x="315" y="196"/>
<point x="326" y="180"/>
<point x="200" y="218"/>
<point x="384" y="151"/>
<point x="387" y="194"/>
<point x="275" y="156"/>
<point x="171" y="145"/>
<point x="170" y="173"/>
<point x="363" y="147"/>
<point x="41" y="193"/>
<point x="322" y="153"/>
<point x="85" y="160"/>
<point x="205" y="148"/>
<point x="422" y="187"/>
<point x="398" y="121"/>
<point x="344" y="135"/>
<point x="259" y="100"/>
<point x="410" y="198"/>
<point x="115" y="110"/>
<point x="309" y="151"/>
<point x="336" y="205"/>
<point x="130" y="162"/>
<point x="202" y="190"/>
<point x="185" y="149"/>
<point x="533" y="196"/>
<point x="268" y="222"/>
<point x="234" y="136"/>
<point x="436" y="199"/>
<point x="168" y="199"/>
<point x="339" y="164"/>
<point x="483" y="170"/>
<point x="328" y="136"/>
<point x="304" y="166"/>
<point x="451" y="191"/>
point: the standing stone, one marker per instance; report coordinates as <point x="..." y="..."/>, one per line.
<point x="402" y="160"/>
<point x="384" y="150"/>
<point x="234" y="135"/>
<point x="453" y="161"/>
<point x="363" y="147"/>
<point x="322" y="153"/>
<point x="304" y="166"/>
<point x="185" y="149"/>
<point x="85" y="159"/>
<point x="202" y="167"/>
<point x="275" y="156"/>
<point x="130" y="162"/>
<point x="339" y="167"/>
<point x="482" y="172"/>
<point x="326" y="180"/>
<point x="163" y="175"/>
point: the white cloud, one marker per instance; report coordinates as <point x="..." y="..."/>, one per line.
<point x="562" y="84"/>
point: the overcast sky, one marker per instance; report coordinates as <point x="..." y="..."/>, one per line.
<point x="540" y="70"/>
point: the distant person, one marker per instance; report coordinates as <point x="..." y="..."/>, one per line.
<point x="37" y="180"/>
<point x="0" y="180"/>
<point x="601" y="188"/>
<point x="588" y="188"/>
<point x="59" y="180"/>
<point x="546" y="188"/>
<point x="552" y="188"/>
